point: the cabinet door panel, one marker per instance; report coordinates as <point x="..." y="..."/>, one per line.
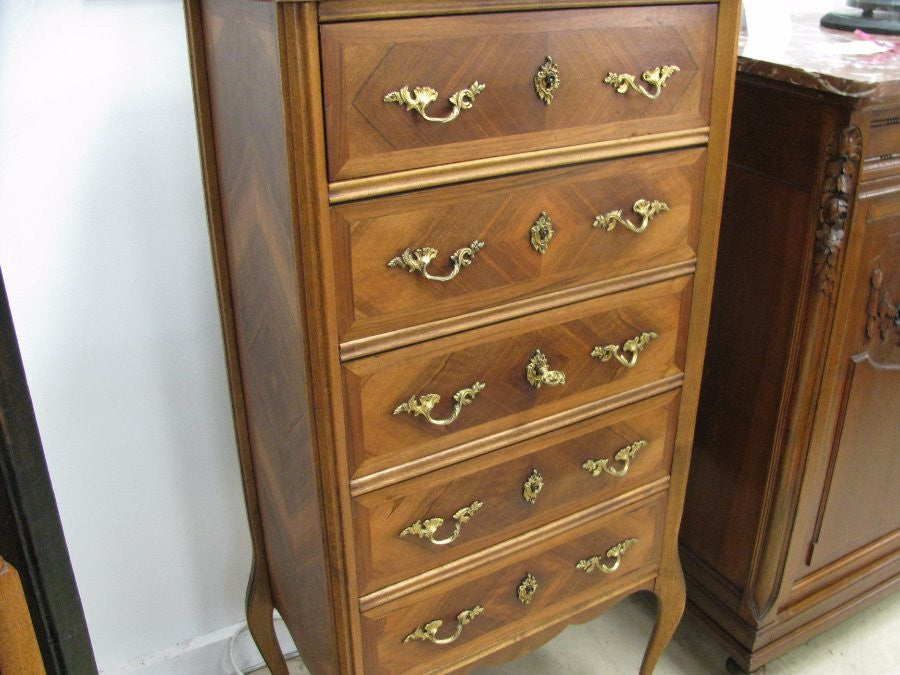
<point x="860" y="503"/>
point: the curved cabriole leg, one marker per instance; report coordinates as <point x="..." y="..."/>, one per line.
<point x="261" y="623"/>
<point x="670" y="600"/>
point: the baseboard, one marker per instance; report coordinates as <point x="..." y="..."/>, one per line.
<point x="210" y="653"/>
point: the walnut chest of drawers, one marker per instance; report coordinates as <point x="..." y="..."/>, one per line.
<point x="464" y="256"/>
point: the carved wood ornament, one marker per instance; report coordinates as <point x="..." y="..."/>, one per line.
<point x="883" y="320"/>
<point x="841" y="171"/>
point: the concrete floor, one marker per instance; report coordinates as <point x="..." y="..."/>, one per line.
<point x="613" y="644"/>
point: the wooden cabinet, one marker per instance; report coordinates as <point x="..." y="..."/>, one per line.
<point x="792" y="510"/>
<point x="464" y="289"/>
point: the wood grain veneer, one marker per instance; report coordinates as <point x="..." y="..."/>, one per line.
<point x="498" y="479"/>
<point x="375" y="299"/>
<point x="322" y="345"/>
<point x="884" y="137"/>
<point x="263" y="319"/>
<point x="493" y="586"/>
<point x="363" y="61"/>
<point x="791" y="518"/>
<point x="491" y="167"/>
<point x="355" y="10"/>
<point x="498" y="356"/>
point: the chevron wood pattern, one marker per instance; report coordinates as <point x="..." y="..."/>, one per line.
<point x="255" y="233"/>
<point x="363" y="61"/>
<point x="497" y="479"/>
<point x="377" y="300"/>
<point x="560" y="587"/>
<point x="497" y="356"/>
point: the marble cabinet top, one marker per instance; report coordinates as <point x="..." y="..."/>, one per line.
<point x="826" y="60"/>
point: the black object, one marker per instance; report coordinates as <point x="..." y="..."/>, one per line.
<point x="876" y="16"/>
<point x="31" y="536"/>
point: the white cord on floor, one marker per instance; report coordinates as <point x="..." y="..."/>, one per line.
<point x="244" y="629"/>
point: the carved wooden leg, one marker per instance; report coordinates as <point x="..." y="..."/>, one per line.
<point x="670" y="606"/>
<point x="261" y="623"/>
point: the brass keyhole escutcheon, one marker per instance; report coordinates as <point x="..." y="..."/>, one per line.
<point x="546" y="80"/>
<point x="527" y="589"/>
<point x="533" y="486"/>
<point x="541" y="233"/>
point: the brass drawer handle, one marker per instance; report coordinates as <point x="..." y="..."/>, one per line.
<point x="656" y="77"/>
<point x="422" y="97"/>
<point x="538" y="372"/>
<point x="533" y="486"/>
<point x="428" y="632"/>
<point x="614" y="554"/>
<point x="527" y="589"/>
<point x="632" y="347"/>
<point x="642" y="207"/>
<point x="597" y="466"/>
<point x="426" y="529"/>
<point x="418" y="260"/>
<point x="424" y="404"/>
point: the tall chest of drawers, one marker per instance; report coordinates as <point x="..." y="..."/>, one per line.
<point x="464" y="256"/>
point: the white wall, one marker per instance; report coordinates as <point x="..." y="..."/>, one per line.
<point x="105" y="254"/>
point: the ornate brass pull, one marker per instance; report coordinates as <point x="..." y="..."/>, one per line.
<point x="632" y="347"/>
<point x="538" y="372"/>
<point x="428" y="632"/>
<point x="423" y="405"/>
<point x="426" y="529"/>
<point x="615" y="554"/>
<point x="642" y="207"/>
<point x="597" y="466"/>
<point x="422" y="97"/>
<point x="418" y="260"/>
<point x="527" y="589"/>
<point x="533" y="486"/>
<point x="655" y="78"/>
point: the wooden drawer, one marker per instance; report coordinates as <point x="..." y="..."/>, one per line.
<point x="377" y="300"/>
<point x="562" y="590"/>
<point x="364" y="61"/>
<point x="884" y="137"/>
<point x="498" y="481"/>
<point x="497" y="356"/>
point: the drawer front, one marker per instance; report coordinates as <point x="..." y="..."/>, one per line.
<point x="562" y="590"/>
<point x="520" y="488"/>
<point x="884" y="138"/>
<point x="388" y="395"/>
<point x="377" y="298"/>
<point x="365" y="61"/>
